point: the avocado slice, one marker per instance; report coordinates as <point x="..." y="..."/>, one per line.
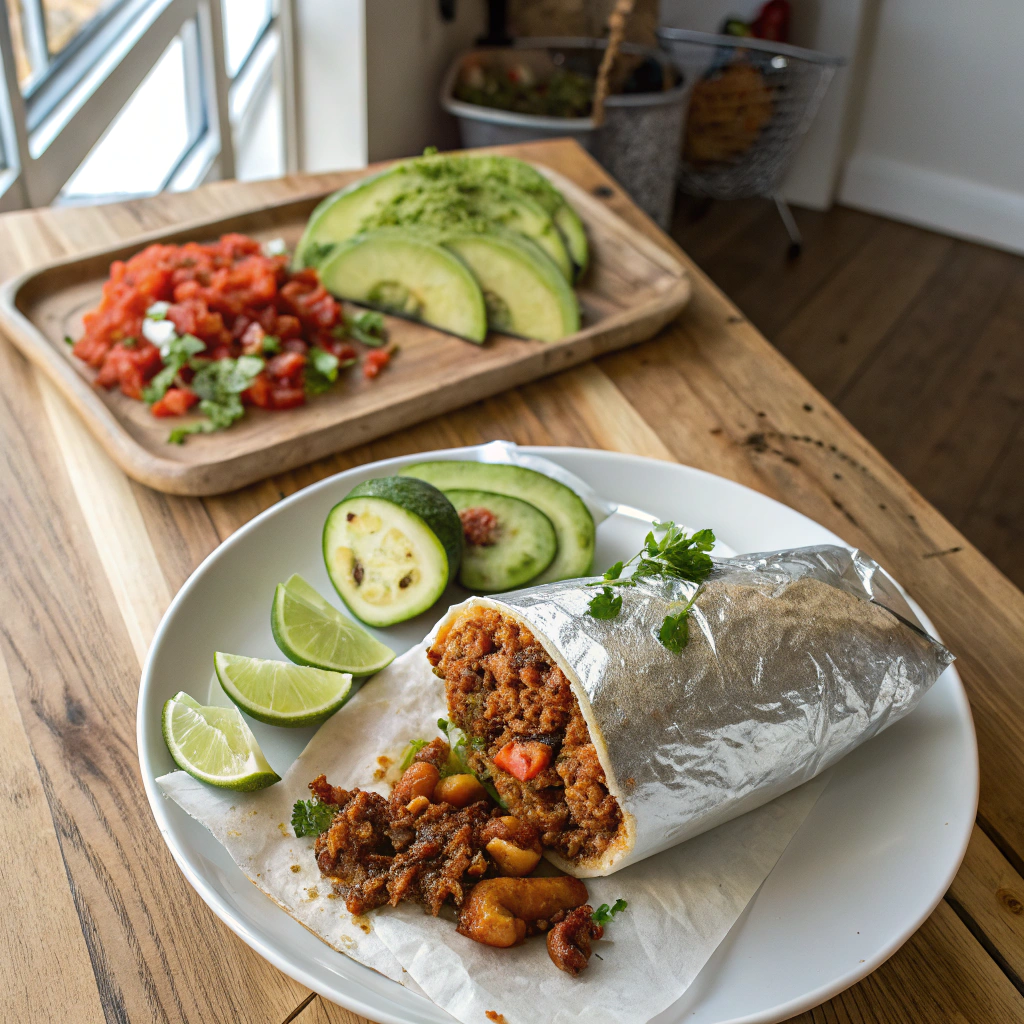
<point x="443" y="204"/>
<point x="404" y="196"/>
<point x="408" y="274"/>
<point x="528" y="180"/>
<point x="390" y="547"/>
<point x="573" y="523"/>
<point x="524" y="291"/>
<point x="506" y="542"/>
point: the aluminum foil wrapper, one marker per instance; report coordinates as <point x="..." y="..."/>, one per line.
<point x="794" y="658"/>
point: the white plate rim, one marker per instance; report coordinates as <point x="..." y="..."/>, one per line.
<point x="376" y="1012"/>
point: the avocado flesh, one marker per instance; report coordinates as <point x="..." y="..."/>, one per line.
<point x="525" y="179"/>
<point x="437" y="192"/>
<point x="410" y="275"/>
<point x="445" y="205"/>
<point x="573" y="523"/>
<point x="524" y="291"/>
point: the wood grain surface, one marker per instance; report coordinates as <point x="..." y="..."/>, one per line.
<point x="86" y="878"/>
<point x="632" y="289"/>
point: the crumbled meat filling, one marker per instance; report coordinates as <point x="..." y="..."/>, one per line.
<point x="409" y="847"/>
<point x="479" y="526"/>
<point x="501" y="686"/>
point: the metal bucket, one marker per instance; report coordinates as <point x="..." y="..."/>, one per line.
<point x="638" y="143"/>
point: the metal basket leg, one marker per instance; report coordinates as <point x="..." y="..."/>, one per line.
<point x="796" y="242"/>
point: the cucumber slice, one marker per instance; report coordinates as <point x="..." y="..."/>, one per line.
<point x="524" y="291"/>
<point x="573" y="523"/>
<point x="408" y="274"/>
<point x="506" y="542"/>
<point x="390" y="548"/>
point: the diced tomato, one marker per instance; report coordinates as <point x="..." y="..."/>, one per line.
<point x="286" y="366"/>
<point x="176" y="402"/>
<point x="129" y="368"/>
<point x="258" y="392"/>
<point x="523" y="759"/>
<point x="287" y="397"/>
<point x="375" y="361"/>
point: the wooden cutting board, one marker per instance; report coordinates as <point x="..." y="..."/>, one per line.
<point x="631" y="290"/>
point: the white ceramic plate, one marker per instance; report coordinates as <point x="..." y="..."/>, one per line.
<point x="868" y="866"/>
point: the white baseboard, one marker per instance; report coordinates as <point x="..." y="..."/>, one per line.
<point x="942" y="202"/>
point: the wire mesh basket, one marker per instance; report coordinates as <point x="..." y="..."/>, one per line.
<point x="752" y="102"/>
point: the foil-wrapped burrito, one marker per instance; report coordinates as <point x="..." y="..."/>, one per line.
<point x="616" y="748"/>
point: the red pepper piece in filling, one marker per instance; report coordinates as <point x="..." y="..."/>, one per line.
<point x="524" y="759"/>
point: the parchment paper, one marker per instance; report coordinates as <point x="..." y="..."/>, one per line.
<point x="681" y="902"/>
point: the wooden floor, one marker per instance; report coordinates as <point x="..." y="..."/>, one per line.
<point x="917" y="338"/>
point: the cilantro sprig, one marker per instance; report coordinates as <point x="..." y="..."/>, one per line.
<point x="367" y="327"/>
<point x="219" y="385"/>
<point x="674" y="554"/>
<point x="604" y="913"/>
<point x="310" y="817"/>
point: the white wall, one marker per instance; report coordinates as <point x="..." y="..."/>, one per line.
<point x="940" y="140"/>
<point x="409" y="47"/>
<point x="331" y="84"/>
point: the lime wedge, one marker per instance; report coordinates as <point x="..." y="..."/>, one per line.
<point x="279" y="693"/>
<point x="215" y="745"/>
<point x="312" y="632"/>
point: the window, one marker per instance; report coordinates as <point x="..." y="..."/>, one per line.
<point x="103" y="99"/>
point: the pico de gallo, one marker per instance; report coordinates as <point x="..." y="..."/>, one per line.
<point x="213" y="328"/>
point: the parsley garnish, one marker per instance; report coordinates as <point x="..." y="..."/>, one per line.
<point x="368" y="327"/>
<point x="310" y="817"/>
<point x="604" y="913"/>
<point x="415" y="746"/>
<point x="674" y="555"/>
<point x="605" y="605"/>
<point x="321" y="371"/>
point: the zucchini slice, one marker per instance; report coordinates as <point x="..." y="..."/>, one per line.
<point x="506" y="542"/>
<point x="390" y="547"/>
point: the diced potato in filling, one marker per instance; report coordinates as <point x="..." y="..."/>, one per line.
<point x="527" y="732"/>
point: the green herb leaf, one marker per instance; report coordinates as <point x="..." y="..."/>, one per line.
<point x="321" y="371"/>
<point x="310" y="817"/>
<point x="614" y="572"/>
<point x="219" y="384"/>
<point x="157" y="387"/>
<point x="368" y="327"/>
<point x="605" y="605"/>
<point x="177" y="353"/>
<point x="68" y="340"/>
<point x="158" y="311"/>
<point x="415" y="746"/>
<point x="129" y="342"/>
<point x="675" y="631"/>
<point x="604" y="913"/>
<point x="271" y="344"/>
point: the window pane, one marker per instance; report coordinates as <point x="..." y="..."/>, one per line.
<point x="244" y="20"/>
<point x="29" y="60"/>
<point x="66" y="18"/>
<point x="147" y="139"/>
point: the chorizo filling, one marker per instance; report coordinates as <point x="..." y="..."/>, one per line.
<point x="526" y="732"/>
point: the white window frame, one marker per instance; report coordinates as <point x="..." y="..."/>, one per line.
<point x="111" y="66"/>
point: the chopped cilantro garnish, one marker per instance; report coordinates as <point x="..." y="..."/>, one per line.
<point x="321" y="371"/>
<point x="310" y="817"/>
<point x="415" y="746"/>
<point x="368" y="327"/>
<point x="674" y="555"/>
<point x="604" y="913"/>
<point x="219" y="385"/>
<point x="271" y="344"/>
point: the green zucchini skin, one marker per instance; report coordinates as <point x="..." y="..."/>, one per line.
<point x="573" y="523"/>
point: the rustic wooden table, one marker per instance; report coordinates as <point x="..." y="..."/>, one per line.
<point x="98" y="923"/>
